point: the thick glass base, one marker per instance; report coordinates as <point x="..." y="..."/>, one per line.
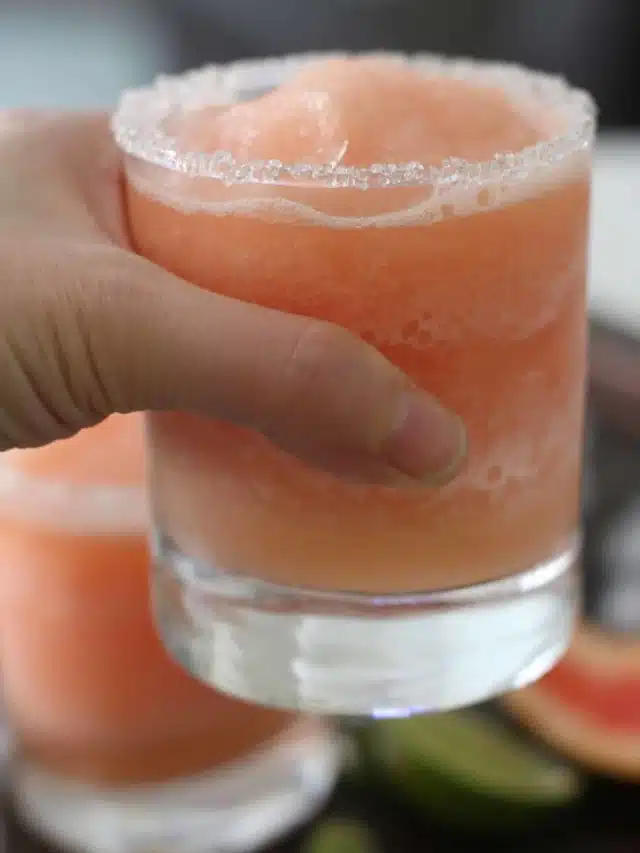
<point x="351" y="654"/>
<point x="233" y="811"/>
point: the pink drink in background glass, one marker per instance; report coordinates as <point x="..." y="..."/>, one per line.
<point x="115" y="744"/>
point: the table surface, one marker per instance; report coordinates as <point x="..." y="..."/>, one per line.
<point x="607" y="821"/>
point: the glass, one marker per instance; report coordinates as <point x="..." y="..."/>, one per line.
<point x="115" y="747"/>
<point x="281" y="584"/>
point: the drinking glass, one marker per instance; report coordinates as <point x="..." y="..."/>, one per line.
<point x="282" y="584"/>
<point x="114" y="747"/>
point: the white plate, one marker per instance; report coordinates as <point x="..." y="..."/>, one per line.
<point x="614" y="295"/>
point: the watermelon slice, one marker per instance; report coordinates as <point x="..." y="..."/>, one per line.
<point x="588" y="706"/>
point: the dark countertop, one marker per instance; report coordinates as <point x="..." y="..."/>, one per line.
<point x="607" y="821"/>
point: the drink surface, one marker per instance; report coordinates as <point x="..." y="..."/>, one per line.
<point x="366" y="110"/>
<point x="480" y="301"/>
<point x="90" y="690"/>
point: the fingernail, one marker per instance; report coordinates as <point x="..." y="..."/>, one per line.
<point x="427" y="441"/>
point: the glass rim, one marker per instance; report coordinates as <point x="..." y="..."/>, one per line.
<point x="137" y="125"/>
<point x="64" y="506"/>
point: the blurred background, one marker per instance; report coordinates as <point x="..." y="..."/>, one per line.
<point x="75" y="53"/>
<point x="82" y="53"/>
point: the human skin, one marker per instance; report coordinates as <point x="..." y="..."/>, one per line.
<point x="88" y="328"/>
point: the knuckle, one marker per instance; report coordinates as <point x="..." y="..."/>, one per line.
<point x="317" y="392"/>
<point x="321" y="353"/>
<point x="92" y="334"/>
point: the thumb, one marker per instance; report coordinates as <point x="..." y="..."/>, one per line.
<point x="313" y="388"/>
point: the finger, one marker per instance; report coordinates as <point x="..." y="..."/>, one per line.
<point x="311" y="387"/>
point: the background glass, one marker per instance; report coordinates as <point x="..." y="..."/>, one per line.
<point x="114" y="747"/>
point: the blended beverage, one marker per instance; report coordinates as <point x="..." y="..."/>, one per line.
<point x="98" y="708"/>
<point x="381" y="194"/>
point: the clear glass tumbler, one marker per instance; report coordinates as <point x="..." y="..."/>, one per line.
<point x="114" y="747"/>
<point x="281" y="584"/>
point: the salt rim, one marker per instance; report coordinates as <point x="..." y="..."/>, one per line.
<point x="69" y="507"/>
<point x="137" y="125"/>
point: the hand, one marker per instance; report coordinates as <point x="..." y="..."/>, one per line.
<point x="87" y="328"/>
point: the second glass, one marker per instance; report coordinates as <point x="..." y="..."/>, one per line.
<point x="281" y="584"/>
<point x="115" y="748"/>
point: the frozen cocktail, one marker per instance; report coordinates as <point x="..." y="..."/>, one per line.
<point x="438" y="209"/>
